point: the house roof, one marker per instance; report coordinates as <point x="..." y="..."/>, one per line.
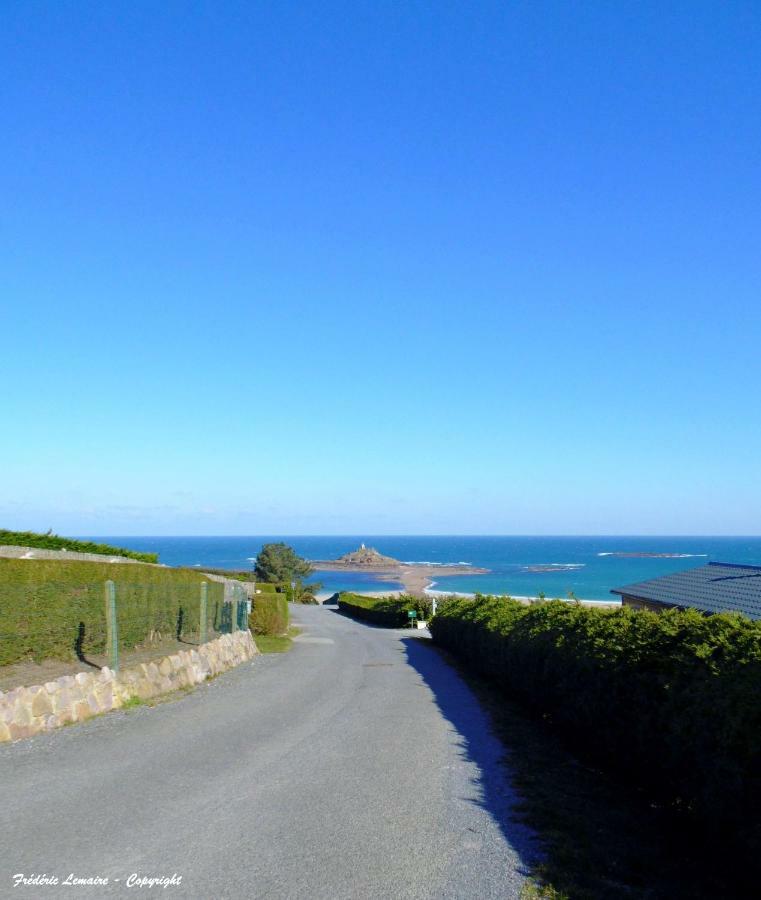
<point x="713" y="588"/>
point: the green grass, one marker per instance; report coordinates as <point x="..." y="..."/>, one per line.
<point x="601" y="840"/>
<point x="51" y="541"/>
<point x="133" y="702"/>
<point x="276" y="643"/>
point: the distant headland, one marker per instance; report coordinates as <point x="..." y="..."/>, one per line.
<point x="414" y="576"/>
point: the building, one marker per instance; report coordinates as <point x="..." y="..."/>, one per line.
<point x="713" y="588"/>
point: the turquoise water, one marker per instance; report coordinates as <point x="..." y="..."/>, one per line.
<point x="519" y="565"/>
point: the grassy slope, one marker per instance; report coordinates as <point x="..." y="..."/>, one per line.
<point x="55" y="542"/>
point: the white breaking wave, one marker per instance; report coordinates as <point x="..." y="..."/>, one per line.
<point x="429" y="562"/>
<point x="634" y="555"/>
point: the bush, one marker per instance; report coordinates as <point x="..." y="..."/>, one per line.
<point x="389" y="611"/>
<point x="269" y="614"/>
<point x="51" y="541"/>
<point x="55" y="609"/>
<point x="670" y="701"/>
<point x="266" y="587"/>
<point x="279" y="562"/>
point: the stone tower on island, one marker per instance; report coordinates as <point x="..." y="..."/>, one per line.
<point x="367" y="556"/>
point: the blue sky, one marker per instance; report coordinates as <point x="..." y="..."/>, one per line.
<point x="380" y="267"/>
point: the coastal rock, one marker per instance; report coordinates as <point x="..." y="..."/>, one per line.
<point x="367" y="556"/>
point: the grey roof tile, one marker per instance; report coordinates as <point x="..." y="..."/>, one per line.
<point x="713" y="588"/>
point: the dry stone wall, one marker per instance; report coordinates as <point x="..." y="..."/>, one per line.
<point x="26" y="711"/>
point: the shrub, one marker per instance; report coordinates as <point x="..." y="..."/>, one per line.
<point x="266" y="587"/>
<point x="269" y="614"/>
<point x="278" y="563"/>
<point x="389" y="611"/>
<point x="56" y="609"/>
<point x="670" y="701"/>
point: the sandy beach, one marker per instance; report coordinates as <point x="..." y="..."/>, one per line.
<point x="415" y="577"/>
<point x="322" y="596"/>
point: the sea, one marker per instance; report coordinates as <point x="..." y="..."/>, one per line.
<point x="586" y="567"/>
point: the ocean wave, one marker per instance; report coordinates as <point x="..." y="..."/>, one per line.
<point x="429" y="562"/>
<point x="685" y="555"/>
<point x="634" y="554"/>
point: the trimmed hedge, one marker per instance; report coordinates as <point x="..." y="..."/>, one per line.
<point x="55" y="609"/>
<point x="269" y="614"/>
<point x="267" y="587"/>
<point x="54" y="542"/>
<point x="388" y="611"/>
<point x="671" y="701"/>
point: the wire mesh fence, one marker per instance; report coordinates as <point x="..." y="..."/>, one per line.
<point x="61" y="620"/>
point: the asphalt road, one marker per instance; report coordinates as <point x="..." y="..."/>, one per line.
<point x="358" y="765"/>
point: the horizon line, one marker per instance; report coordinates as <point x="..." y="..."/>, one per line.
<point x="426" y="534"/>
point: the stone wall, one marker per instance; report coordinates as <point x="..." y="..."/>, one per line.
<point x="26" y="711"/>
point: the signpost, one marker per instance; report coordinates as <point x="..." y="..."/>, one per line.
<point x="412" y="615"/>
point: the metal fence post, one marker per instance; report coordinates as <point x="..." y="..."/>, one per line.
<point x="234" y="627"/>
<point x="112" y="631"/>
<point x="203" y="613"/>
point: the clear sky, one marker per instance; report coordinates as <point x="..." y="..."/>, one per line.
<point x="380" y="267"/>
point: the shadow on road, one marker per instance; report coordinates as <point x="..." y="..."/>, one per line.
<point x="477" y="743"/>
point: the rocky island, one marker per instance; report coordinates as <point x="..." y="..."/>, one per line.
<point x="414" y="576"/>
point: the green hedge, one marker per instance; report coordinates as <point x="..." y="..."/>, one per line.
<point x="56" y="609"/>
<point x="389" y="611"/>
<point x="54" y="542"/>
<point x="671" y="701"/>
<point x="269" y="614"/>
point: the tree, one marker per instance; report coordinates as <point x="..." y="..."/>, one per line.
<point x="279" y="562"/>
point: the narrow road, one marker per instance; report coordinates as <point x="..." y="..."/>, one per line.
<point x="358" y="765"/>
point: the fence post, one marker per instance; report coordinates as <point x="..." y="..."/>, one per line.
<point x="112" y="631"/>
<point x="234" y="627"/>
<point x="203" y="613"/>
